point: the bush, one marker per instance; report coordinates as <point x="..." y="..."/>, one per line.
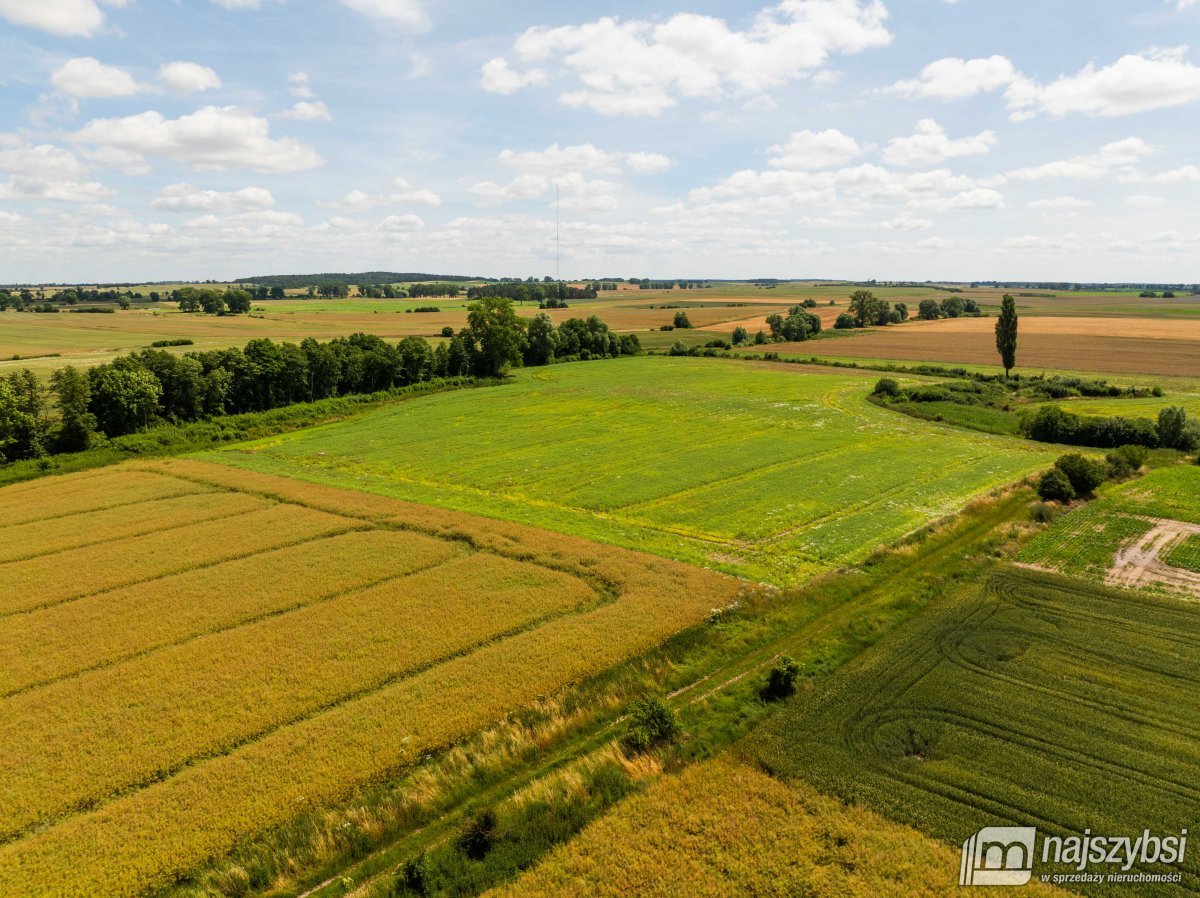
<point x="180" y="341"/>
<point x="740" y="337"/>
<point x="845" y="322"/>
<point x="447" y="331"/>
<point x="1054" y="486"/>
<point x="475" y="841"/>
<point x="1084" y="473"/>
<point x="1044" y="513"/>
<point x="679" y="348"/>
<point x="781" y="682"/>
<point x="1125" y="460"/>
<point x="651" y="723"/>
<point x="887" y="386"/>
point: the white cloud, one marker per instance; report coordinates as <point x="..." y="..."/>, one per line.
<point x="1060" y="203"/>
<point x="648" y="163"/>
<point x="976" y="198"/>
<point x="88" y="77"/>
<point x="498" y="77"/>
<point x="812" y="149"/>
<point x="188" y="77"/>
<point x="1115" y="155"/>
<point x="406" y="194"/>
<point x="212" y="138"/>
<point x="66" y="191"/>
<point x="407" y="13"/>
<point x="1180" y="175"/>
<point x="186" y="198"/>
<point x="1142" y="201"/>
<point x="308" y="111"/>
<point x="402" y="223"/>
<point x="239" y="4"/>
<point x="930" y="144"/>
<point x="1134" y="83"/>
<point x="523" y="187"/>
<point x="954" y="78"/>
<point x="41" y="161"/>
<point x="299" y="86"/>
<point x="640" y="67"/>
<point x="904" y="223"/>
<point x="64" y="18"/>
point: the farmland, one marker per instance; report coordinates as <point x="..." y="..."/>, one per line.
<point x="770" y="472"/>
<point x="703" y="834"/>
<point x="1087" y="541"/>
<point x="1026" y="699"/>
<point x="1131" y="346"/>
<point x="193" y="703"/>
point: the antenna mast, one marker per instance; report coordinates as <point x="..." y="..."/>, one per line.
<point x="557" y="237"/>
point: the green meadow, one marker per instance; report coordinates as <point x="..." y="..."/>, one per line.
<point x="771" y="472"/>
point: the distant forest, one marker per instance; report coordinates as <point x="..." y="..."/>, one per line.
<point x="291" y="281"/>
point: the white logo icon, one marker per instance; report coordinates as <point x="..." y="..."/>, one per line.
<point x="998" y="856"/>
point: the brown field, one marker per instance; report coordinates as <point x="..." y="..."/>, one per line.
<point x="723" y="829"/>
<point x="1117" y="345"/>
<point x="313" y="641"/>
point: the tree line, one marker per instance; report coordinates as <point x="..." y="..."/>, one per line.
<point x="152" y="386"/>
<point x="553" y="295"/>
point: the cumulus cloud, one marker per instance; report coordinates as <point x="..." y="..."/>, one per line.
<point x="405" y="194"/>
<point x="587" y="157"/>
<point x="813" y="149"/>
<point x="1060" y="203"/>
<point x="188" y="77"/>
<point x="1135" y="83"/>
<point x="498" y="77"/>
<point x="41" y="161"/>
<point x="409" y="14"/>
<point x="640" y="67"/>
<point x="64" y="18"/>
<point x="186" y="198"/>
<point x="1116" y="155"/>
<point x="648" y="163"/>
<point x="66" y="191"/>
<point x="954" y="78"/>
<point x="212" y="138"/>
<point x="89" y="77"/>
<point x="930" y="144"/>
<point x="308" y="111"/>
<point x="299" y="86"/>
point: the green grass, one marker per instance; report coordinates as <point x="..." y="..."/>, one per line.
<point x="768" y="472"/>
<point x="1185" y="554"/>
<point x="1028" y="699"/>
<point x="1085" y="541"/>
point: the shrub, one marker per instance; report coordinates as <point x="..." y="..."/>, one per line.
<point x="651" y="723"/>
<point x="1054" y="486"/>
<point x="447" y="331"/>
<point x="475" y="841"/>
<point x="781" y="682"/>
<point x="740" y="336"/>
<point x="679" y="348"/>
<point x="1084" y="473"/>
<point x="845" y="322"/>
<point x="887" y="386"/>
<point x="1044" y="513"/>
<point x="179" y="341"/>
<point x="930" y="394"/>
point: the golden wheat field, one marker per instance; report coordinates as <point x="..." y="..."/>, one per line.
<point x="186" y="681"/>
<point x="723" y="829"/>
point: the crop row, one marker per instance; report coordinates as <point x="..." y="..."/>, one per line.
<point x="49" y="579"/>
<point x="89" y="491"/>
<point x="77" y="741"/>
<point x="704" y="834"/>
<point x="54" y="642"/>
<point x="147" y="837"/>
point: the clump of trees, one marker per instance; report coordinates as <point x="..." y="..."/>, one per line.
<point x="797" y="326"/>
<point x="950" y="307"/>
<point x="1077" y="476"/>
<point x="1172" y="430"/>
<point x="213" y="302"/>
<point x="553" y="295"/>
<point x="152" y="386"/>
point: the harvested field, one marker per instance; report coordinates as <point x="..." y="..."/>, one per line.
<point x="1118" y="345"/>
<point x="170" y="712"/>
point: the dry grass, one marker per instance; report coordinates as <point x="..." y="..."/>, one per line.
<point x="725" y="829"/>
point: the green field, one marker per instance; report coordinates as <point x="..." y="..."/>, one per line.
<point x="770" y="472"/>
<point x="1086" y="541"/>
<point x="1027" y="700"/>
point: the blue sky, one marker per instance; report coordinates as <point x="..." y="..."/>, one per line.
<point x="157" y="139"/>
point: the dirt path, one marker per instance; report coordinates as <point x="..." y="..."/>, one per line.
<point x="1141" y="564"/>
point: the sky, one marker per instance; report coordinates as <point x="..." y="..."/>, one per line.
<point x="902" y="140"/>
